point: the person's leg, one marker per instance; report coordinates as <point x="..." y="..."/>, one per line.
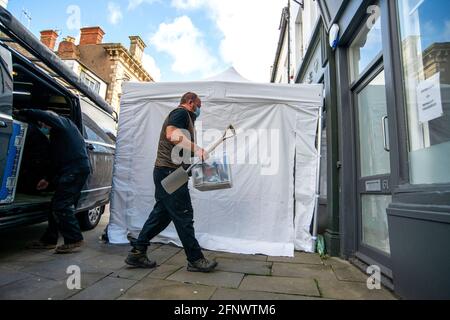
<point x="157" y="222"/>
<point x="180" y="209"/>
<point x="67" y="193"/>
<point x="51" y="234"/>
<point x="49" y="239"/>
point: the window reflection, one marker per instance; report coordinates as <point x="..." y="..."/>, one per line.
<point x="367" y="45"/>
<point x="425" y="45"/>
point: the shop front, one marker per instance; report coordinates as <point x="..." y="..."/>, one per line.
<point x="388" y="110"/>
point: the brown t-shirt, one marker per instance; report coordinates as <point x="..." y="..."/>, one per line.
<point x="179" y="118"/>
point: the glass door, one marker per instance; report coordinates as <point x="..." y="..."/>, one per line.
<point x="371" y="136"/>
<point x="374" y="169"/>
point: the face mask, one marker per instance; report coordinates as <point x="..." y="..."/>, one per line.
<point x="45" y="131"/>
<point x="197" y="112"/>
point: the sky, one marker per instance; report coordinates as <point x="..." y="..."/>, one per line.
<point x="186" y="39"/>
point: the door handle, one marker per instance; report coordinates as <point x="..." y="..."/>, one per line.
<point x="3" y="124"/>
<point x="385" y="134"/>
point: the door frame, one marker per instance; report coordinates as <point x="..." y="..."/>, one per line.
<point x="364" y="251"/>
<point x="6" y="107"/>
<point x="353" y="15"/>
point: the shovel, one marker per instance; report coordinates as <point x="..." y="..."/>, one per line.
<point x="180" y="177"/>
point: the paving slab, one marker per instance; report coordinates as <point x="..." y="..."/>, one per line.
<point x="17" y="266"/>
<point x="164" y="271"/>
<point x="57" y="269"/>
<point x="254" y="267"/>
<point x="343" y="290"/>
<point x="163" y="253"/>
<point x="298" y="286"/>
<point x="104" y="248"/>
<point x="28" y="256"/>
<point x="217" y="278"/>
<point x="345" y="271"/>
<point x="307" y="271"/>
<point x="90" y="277"/>
<point x="350" y="273"/>
<point x="53" y="269"/>
<point x="8" y="276"/>
<point x="36" y="288"/>
<point x="155" y="289"/>
<point x="109" y="288"/>
<point x="300" y="257"/>
<point x="212" y="254"/>
<point x="336" y="262"/>
<point x="107" y="261"/>
<point x="154" y="246"/>
<point x="132" y="273"/>
<point x="235" y="294"/>
<point x="179" y="259"/>
<point x="84" y="254"/>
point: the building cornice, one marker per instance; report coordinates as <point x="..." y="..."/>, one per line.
<point x="118" y="50"/>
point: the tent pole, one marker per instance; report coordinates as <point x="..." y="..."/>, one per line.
<point x="317" y="191"/>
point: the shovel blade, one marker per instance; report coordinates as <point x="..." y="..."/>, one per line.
<point x="175" y="181"/>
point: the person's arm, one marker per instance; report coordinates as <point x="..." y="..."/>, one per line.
<point x="176" y="133"/>
<point x="49" y="118"/>
<point x="178" y="138"/>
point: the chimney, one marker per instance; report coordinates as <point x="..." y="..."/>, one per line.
<point x="67" y="49"/>
<point x="137" y="47"/>
<point x="91" y="35"/>
<point x="48" y="38"/>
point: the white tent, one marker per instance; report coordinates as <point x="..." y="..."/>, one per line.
<point x="274" y="161"/>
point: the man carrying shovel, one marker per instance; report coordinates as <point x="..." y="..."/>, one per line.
<point x="177" y="133"/>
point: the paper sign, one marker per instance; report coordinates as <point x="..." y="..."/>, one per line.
<point x="429" y="99"/>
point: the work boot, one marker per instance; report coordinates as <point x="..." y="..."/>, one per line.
<point x="40" y="245"/>
<point x="139" y="259"/>
<point x="69" y="248"/>
<point x="202" y="265"/>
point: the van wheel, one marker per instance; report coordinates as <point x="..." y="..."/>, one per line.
<point x="89" y="219"/>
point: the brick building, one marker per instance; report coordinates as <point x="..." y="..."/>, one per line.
<point x="98" y="62"/>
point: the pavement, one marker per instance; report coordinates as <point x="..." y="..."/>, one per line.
<point x="42" y="275"/>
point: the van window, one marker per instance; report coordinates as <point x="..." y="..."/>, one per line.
<point x="99" y="122"/>
<point x="94" y="132"/>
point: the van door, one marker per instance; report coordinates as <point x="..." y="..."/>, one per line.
<point x="100" y="136"/>
<point x="6" y="102"/>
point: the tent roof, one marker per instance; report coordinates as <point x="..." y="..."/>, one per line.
<point x="230" y="75"/>
<point x="228" y="86"/>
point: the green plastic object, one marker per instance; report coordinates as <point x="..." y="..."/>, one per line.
<point x="321" y="246"/>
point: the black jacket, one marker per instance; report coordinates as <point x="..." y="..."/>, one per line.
<point x="67" y="147"/>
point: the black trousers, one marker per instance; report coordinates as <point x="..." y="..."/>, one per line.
<point x="62" y="218"/>
<point x="176" y="208"/>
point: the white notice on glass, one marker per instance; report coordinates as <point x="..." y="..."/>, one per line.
<point x="429" y="99"/>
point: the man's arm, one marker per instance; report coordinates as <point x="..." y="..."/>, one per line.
<point x="49" y="118"/>
<point x="178" y="138"/>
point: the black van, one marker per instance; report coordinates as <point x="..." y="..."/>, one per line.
<point x="33" y="77"/>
